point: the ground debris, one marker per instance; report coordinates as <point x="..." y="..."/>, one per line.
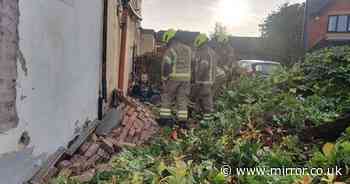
<point x="137" y="127"/>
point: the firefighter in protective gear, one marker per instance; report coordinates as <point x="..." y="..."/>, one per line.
<point x="204" y="77"/>
<point x="225" y="63"/>
<point x="176" y="78"/>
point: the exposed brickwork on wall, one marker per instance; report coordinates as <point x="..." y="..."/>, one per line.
<point x="9" y="14"/>
<point x="317" y="28"/>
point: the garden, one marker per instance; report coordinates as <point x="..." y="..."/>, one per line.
<point x="295" y="118"/>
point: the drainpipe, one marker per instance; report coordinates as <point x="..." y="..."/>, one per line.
<point x="122" y="59"/>
<point x="305" y="29"/>
<point x="102" y="97"/>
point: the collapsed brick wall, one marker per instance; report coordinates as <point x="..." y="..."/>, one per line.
<point x="9" y="17"/>
<point x="138" y="126"/>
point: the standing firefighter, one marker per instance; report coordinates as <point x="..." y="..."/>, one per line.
<point x="225" y="63"/>
<point x="204" y="77"/>
<point x="176" y="78"/>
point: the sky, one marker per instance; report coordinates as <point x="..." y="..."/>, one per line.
<point x="241" y="17"/>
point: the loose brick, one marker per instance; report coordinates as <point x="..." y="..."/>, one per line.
<point x="147" y="125"/>
<point x="93" y="160"/>
<point x="145" y="135"/>
<point x="117" y="131"/>
<point x="132" y="118"/>
<point x="66" y="172"/>
<point x="92" y="150"/>
<point x="125" y="144"/>
<point x="107" y="145"/>
<point x="83" y="148"/>
<point x="130" y="111"/>
<point x="64" y="164"/>
<point x="136" y="139"/>
<point x="77" y="158"/>
<point x="132" y="132"/>
<point x="79" y="167"/>
<point x="86" y="176"/>
<point x="123" y="135"/>
<point x="129" y="139"/>
<point x="103" y="154"/>
<point x="104" y="168"/>
<point x="125" y="120"/>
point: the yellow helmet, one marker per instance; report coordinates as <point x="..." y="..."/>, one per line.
<point x="200" y="40"/>
<point x="170" y="34"/>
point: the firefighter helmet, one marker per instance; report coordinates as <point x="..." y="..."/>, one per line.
<point x="200" y="40"/>
<point x="170" y="34"/>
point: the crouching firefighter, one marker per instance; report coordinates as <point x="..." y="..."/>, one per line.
<point x="176" y="78"/>
<point x="204" y="77"/>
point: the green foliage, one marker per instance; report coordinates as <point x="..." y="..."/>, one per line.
<point x="320" y="109"/>
<point x="342" y="153"/>
<point x="63" y="180"/>
<point x="269" y="179"/>
<point x="328" y="74"/>
<point x="257" y="123"/>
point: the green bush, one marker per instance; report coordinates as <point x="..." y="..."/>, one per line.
<point x="327" y="73"/>
<point x="257" y="123"/>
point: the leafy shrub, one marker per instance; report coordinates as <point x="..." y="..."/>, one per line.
<point x="256" y="124"/>
<point x="328" y="74"/>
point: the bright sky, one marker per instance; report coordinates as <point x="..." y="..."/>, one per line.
<point x="242" y="17"/>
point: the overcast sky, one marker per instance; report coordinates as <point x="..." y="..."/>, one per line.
<point x="242" y="17"/>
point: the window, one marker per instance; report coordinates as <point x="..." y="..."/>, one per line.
<point x="332" y="23"/>
<point x="339" y="23"/>
<point x="342" y="23"/>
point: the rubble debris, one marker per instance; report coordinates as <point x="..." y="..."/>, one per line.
<point x="86" y="176"/>
<point x="137" y="126"/>
<point x="104" y="168"/>
<point x="48" y="169"/>
<point x="111" y="121"/>
<point x="92" y="150"/>
<point x="65" y="172"/>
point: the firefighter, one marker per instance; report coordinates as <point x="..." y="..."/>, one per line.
<point x="225" y="63"/>
<point x="176" y="78"/>
<point x="204" y="77"/>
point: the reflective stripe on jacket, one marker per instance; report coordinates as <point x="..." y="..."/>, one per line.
<point x="179" y="56"/>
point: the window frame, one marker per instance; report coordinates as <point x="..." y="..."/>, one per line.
<point x="337" y="22"/>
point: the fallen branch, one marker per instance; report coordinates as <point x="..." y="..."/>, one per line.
<point x="330" y="131"/>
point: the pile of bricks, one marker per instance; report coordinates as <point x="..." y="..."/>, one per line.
<point x="137" y="127"/>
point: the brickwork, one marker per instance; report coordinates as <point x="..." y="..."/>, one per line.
<point x="9" y="15"/>
<point x="317" y="26"/>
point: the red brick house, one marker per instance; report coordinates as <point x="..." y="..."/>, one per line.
<point x="327" y="23"/>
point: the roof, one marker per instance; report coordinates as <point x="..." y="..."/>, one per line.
<point x="186" y="37"/>
<point x="148" y="31"/>
<point x="245" y="43"/>
<point x="316" y="6"/>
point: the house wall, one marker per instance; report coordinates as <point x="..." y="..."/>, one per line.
<point x="113" y="46"/>
<point x="147" y="43"/>
<point x="58" y="78"/>
<point x="317" y="26"/>
<point x="132" y="43"/>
